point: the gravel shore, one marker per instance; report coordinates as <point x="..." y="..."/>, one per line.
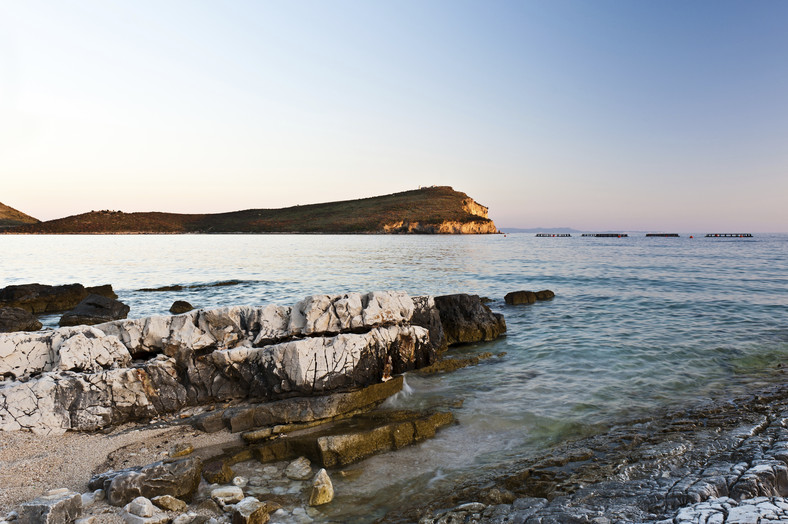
<point x="32" y="464"/>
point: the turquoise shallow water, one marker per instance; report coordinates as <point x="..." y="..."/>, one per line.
<point x="637" y="324"/>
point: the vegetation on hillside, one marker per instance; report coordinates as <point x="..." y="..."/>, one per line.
<point x="427" y="206"/>
<point x="10" y="217"/>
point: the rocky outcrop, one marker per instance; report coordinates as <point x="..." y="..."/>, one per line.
<point x="466" y="319"/>
<point x="320" y="345"/>
<point x="527" y="297"/>
<point x="95" y="309"/>
<point x="39" y="298"/>
<point x="83" y="378"/>
<point x="17" y="319"/>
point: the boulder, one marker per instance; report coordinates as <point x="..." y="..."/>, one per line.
<point x="520" y="297"/>
<point x="40" y="298"/>
<point x="527" y="297"/>
<point x="58" y="506"/>
<point x="169" y="503"/>
<point x="95" y="309"/>
<point x="465" y="319"/>
<point x="322" y="489"/>
<point x="180" y="306"/>
<point x="17" y="319"/>
<point x="178" y="478"/>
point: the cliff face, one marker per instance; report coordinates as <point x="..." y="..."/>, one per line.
<point x="427" y="210"/>
<point x="447" y="227"/>
<point x="10" y="217"/>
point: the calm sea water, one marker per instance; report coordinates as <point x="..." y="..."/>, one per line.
<point x="637" y="324"/>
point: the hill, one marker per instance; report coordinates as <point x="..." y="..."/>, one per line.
<point x="10" y="217"/>
<point x="429" y="210"/>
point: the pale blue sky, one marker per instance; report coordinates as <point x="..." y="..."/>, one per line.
<point x="659" y="115"/>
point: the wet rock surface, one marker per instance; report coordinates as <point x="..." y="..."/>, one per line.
<point x="718" y="462"/>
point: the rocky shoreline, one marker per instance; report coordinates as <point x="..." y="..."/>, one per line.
<point x="207" y="416"/>
<point x="721" y="461"/>
<point x="298" y="384"/>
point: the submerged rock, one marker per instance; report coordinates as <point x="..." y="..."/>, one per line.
<point x="95" y="309"/>
<point x="17" y="319"/>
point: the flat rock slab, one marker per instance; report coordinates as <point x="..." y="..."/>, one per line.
<point x="354" y="439"/>
<point x="309" y="409"/>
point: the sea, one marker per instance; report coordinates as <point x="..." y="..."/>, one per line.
<point x="638" y="325"/>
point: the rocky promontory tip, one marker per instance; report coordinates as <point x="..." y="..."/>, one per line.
<point x="428" y="210"/>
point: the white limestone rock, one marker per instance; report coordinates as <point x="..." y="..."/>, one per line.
<point x="22" y="354"/>
<point x="387" y="307"/>
<point x="89" y="350"/>
<point x="273" y="324"/>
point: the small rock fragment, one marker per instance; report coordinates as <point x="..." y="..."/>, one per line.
<point x="169" y="503"/>
<point x="322" y="489"/>
<point x="299" y="469"/>
<point x="181" y="450"/>
<point x="226" y="495"/>
<point x="140" y="506"/>
<point x="251" y="511"/>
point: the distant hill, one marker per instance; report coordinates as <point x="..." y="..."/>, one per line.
<point x="438" y="209"/>
<point x="10" y="217"/>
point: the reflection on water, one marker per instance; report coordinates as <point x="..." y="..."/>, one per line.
<point x="636" y="324"/>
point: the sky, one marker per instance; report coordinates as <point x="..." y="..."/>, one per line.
<point x="599" y="115"/>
